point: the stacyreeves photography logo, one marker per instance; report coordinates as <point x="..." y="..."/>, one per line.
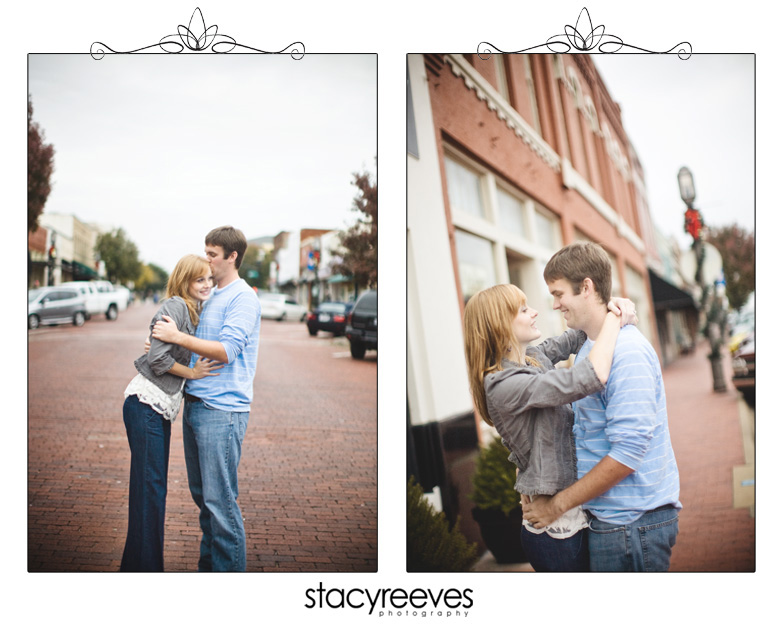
<point x="419" y="602"/>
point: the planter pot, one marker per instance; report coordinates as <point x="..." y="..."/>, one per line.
<point x="501" y="534"/>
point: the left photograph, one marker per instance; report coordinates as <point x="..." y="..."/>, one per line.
<point x="202" y="317"/>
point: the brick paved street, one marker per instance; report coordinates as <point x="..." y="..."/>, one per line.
<point x="308" y="475"/>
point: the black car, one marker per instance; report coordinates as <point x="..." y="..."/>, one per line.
<point x="329" y="317"/>
<point x="743" y="363"/>
<point x="362" y="325"/>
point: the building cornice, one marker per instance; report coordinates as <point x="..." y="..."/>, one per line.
<point x="505" y="112"/>
<point x="571" y="178"/>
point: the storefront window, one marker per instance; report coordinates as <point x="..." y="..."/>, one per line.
<point x="464" y="188"/>
<point x="511" y="214"/>
<point x="475" y="263"/>
<point x="545" y="230"/>
<point x="637" y="292"/>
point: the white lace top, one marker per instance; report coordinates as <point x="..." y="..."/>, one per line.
<point x="566" y="526"/>
<point x="150" y="394"/>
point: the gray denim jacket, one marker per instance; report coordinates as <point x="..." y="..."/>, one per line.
<point x="530" y="408"/>
<point x="155" y="364"/>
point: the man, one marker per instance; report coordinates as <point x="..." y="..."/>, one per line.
<point x="216" y="410"/>
<point x="627" y="475"/>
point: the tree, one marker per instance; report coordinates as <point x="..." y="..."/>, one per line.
<point x="40" y="166"/>
<point x="255" y="267"/>
<point x="151" y="278"/>
<point x="736" y="246"/>
<point x="120" y="255"/>
<point x="358" y="254"/>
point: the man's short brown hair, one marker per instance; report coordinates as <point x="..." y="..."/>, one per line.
<point x="579" y="261"/>
<point x="231" y="240"/>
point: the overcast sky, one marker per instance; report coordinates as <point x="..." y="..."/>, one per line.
<point x="698" y="113"/>
<point x="169" y="146"/>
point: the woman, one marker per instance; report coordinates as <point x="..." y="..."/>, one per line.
<point x="517" y="389"/>
<point x="152" y="400"/>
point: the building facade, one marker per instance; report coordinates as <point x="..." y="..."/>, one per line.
<point x="509" y="159"/>
<point x="319" y="281"/>
<point x="39" y="245"/>
<point x="303" y="267"/>
<point x="74" y="244"/>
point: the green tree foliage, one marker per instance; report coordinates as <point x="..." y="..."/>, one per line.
<point x="736" y="246"/>
<point x="494" y="479"/>
<point x="358" y="253"/>
<point x="255" y="267"/>
<point x="431" y="545"/>
<point x="40" y="166"/>
<point x="120" y="255"/>
<point x="151" y="278"/>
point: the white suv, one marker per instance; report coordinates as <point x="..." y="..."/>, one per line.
<point x="281" y="307"/>
<point x="55" y="305"/>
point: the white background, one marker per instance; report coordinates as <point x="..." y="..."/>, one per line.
<point x="391" y="30"/>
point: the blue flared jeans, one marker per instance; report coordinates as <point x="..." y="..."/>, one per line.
<point x="212" y="440"/>
<point x="149" y="436"/>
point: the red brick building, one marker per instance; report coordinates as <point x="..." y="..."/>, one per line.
<point x="509" y="159"/>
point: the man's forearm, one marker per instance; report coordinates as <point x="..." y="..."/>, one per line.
<point x="206" y="348"/>
<point x="598" y="480"/>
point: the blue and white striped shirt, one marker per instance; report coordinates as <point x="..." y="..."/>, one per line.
<point x="232" y="316"/>
<point x="627" y="420"/>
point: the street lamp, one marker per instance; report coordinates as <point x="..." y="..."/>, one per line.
<point x="710" y="306"/>
<point x="686" y="185"/>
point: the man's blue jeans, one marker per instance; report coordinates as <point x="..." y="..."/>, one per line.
<point x="642" y="546"/>
<point x="212" y="440"/>
<point x="149" y="435"/>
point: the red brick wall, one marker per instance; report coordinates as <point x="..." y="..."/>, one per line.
<point x="463" y="120"/>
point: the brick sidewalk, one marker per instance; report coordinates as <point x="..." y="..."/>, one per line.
<point x="307" y="476"/>
<point x="705" y="427"/>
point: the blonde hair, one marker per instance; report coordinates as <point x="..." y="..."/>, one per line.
<point x="488" y="337"/>
<point x="187" y="270"/>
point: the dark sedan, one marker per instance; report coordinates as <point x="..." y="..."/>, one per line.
<point x="329" y="317"/>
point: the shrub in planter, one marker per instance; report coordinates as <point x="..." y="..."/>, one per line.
<point x="498" y="511"/>
<point x="430" y="544"/>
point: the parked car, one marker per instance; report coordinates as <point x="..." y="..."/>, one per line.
<point x="55" y="305"/>
<point x="362" y="325"/>
<point x="281" y="307"/>
<point x="743" y="370"/>
<point x="102" y="297"/>
<point x="741" y="323"/>
<point x="329" y="317"/>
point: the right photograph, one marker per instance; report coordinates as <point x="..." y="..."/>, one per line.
<point x="580" y="312"/>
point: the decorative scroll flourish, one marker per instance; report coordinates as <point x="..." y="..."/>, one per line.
<point x="583" y="37"/>
<point x="197" y="38"/>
